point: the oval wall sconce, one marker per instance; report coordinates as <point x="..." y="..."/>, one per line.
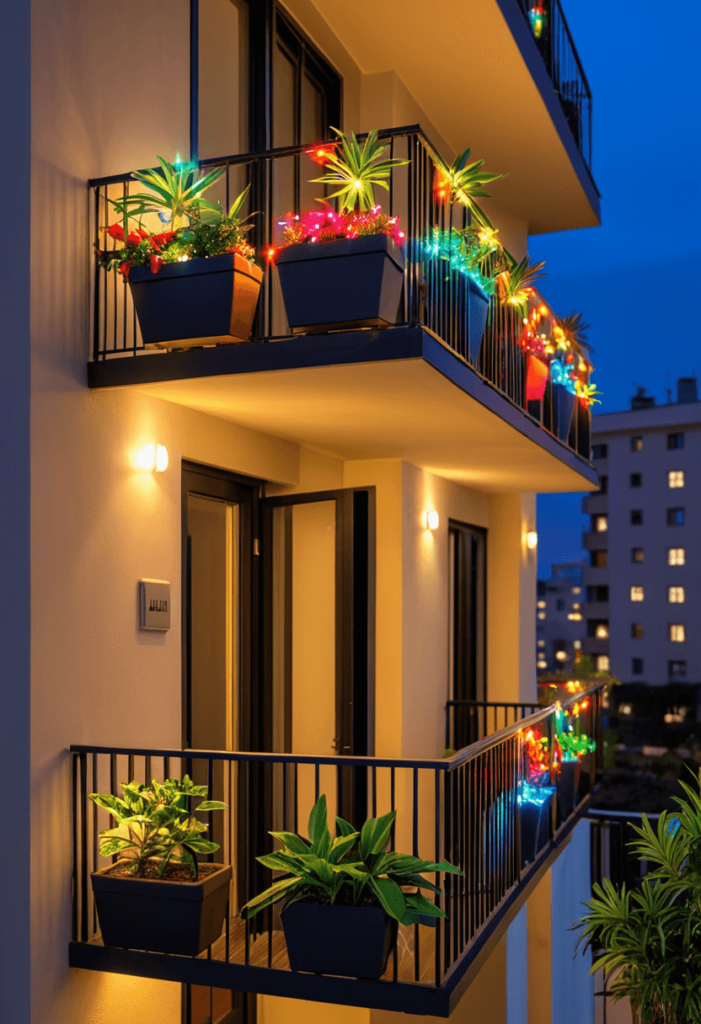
<point x="430" y="520"/>
<point x="152" y="458"/>
<point x="532" y="540"/>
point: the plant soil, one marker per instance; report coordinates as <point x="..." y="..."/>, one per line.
<point x="173" y="873"/>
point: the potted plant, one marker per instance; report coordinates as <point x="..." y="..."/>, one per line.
<point x="345" y="268"/>
<point x="535" y="796"/>
<point x="344" y="897"/>
<point x="649" y="938"/>
<point x="156" y="896"/>
<point x="196" y="283"/>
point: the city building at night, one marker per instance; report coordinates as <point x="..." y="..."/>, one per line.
<point x="643" y="542"/>
<point x="560" y="624"/>
<point x="288" y="549"/>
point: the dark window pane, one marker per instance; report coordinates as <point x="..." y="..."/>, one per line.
<point x="636" y="517"/>
<point x="600" y="451"/>
<point x="675" y="516"/>
<point x="636" y="479"/>
<point x="637" y="667"/>
<point x="636" y="631"/>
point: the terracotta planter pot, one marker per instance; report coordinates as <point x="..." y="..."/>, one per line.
<point x="351" y="282"/>
<point x="537" y="372"/>
<point x="350" y="941"/>
<point x="162" y="917"/>
<point x="208" y="301"/>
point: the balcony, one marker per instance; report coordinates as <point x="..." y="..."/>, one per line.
<point x="595" y="575"/>
<point x="595" y="504"/>
<point x="410" y="390"/>
<point x="594" y="540"/>
<point x="465" y="809"/>
<point x="596" y="610"/>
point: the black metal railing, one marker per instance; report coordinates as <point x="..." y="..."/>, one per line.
<point x="435" y="296"/>
<point x="469" y="721"/>
<point x="464" y="809"/>
<point x="559" y="53"/>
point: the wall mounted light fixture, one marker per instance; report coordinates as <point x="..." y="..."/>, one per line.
<point x="152" y="458"/>
<point x="531" y="540"/>
<point x="430" y="519"/>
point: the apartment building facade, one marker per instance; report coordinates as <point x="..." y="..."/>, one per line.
<point x="560" y="625"/>
<point x="343" y="519"/>
<point x="643" y="545"/>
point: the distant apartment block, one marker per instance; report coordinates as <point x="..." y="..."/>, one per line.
<point x="560" y="623"/>
<point x="643" y="543"/>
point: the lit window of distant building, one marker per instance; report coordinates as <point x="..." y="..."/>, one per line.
<point x="576" y="590"/>
<point x="598" y="559"/>
<point x="575" y="617"/>
<point x="601" y="524"/>
<point x="602" y="631"/>
<point x="602" y="663"/>
<point x="561" y="655"/>
<point x="541" y="664"/>
<point x="541" y="604"/>
<point x="541" y="615"/>
<point x="636" y="631"/>
<point x="676" y="556"/>
<point x="577" y="644"/>
<point x="636" y="444"/>
<point x="675" y="478"/>
<point x="676" y="595"/>
<point x="541" y="643"/>
<point x="637" y="555"/>
<point x="637" y="594"/>
<point x="677" y="633"/>
<point x="675" y="441"/>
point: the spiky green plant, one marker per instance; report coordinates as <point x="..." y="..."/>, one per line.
<point x="175" y="189"/>
<point x="358" y="171"/>
<point x="575" y="328"/>
<point x="465" y="183"/>
<point x="651" y="936"/>
<point x="515" y="285"/>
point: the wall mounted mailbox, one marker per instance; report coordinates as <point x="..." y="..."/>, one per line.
<point x="154" y="604"/>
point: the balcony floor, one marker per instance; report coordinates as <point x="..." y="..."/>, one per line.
<point x="395" y="393"/>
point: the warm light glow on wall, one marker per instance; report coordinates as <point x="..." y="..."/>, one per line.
<point x="430" y="520"/>
<point x="532" y="540"/>
<point x="151" y="458"/>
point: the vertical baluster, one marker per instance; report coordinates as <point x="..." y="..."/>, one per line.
<point x="415" y="852"/>
<point x="83" y="847"/>
<point x="210" y="796"/>
<point x="316" y="782"/>
<point x="76" y="811"/>
<point x="437" y="853"/>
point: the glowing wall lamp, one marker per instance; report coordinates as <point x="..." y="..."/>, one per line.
<point x="430" y="520"/>
<point x="532" y="540"/>
<point x="152" y="458"/>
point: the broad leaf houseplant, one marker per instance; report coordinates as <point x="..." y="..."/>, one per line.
<point x="195" y="283"/>
<point x="156" y="896"/>
<point x="344" y="897"/>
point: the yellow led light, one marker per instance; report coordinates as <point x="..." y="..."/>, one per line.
<point x="532" y="540"/>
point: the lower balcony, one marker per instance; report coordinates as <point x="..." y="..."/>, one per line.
<point x="469" y="809"/>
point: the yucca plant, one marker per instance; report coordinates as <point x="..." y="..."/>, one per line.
<point x="463" y="183"/>
<point x="515" y="285"/>
<point x="175" y="190"/>
<point x="358" y="169"/>
<point x="651" y="936"/>
<point x="575" y="328"/>
<point x="351" y="867"/>
<point x="154" y="823"/>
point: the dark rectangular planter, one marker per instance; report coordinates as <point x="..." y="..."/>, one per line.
<point x="161" y="917"/>
<point x="534" y="822"/>
<point x="354" y="942"/>
<point x="351" y="282"/>
<point x="567" y="787"/>
<point x="478" y="305"/>
<point x="204" y="301"/>
<point x="583" y="429"/>
<point x="563" y="407"/>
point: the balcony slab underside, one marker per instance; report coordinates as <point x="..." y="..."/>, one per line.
<point x="394" y="393"/>
<point x="419" y="998"/>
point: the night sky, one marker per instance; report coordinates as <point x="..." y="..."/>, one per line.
<point x="635" y="278"/>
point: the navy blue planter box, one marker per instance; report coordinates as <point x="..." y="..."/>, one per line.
<point x="351" y="282"/>
<point x="476" y="319"/>
<point x="534" y="819"/>
<point x="161" y="917"/>
<point x="354" y="942"/>
<point x="563" y="407"/>
<point x="203" y="301"/>
<point x="567" y="789"/>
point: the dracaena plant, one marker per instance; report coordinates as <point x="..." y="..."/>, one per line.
<point x="155" y="823"/>
<point x="651" y="936"/>
<point x="461" y="182"/>
<point x="353" y="866"/>
<point x="516" y="285"/>
<point x="357" y="170"/>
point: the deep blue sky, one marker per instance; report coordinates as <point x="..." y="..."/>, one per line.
<point x="635" y="278"/>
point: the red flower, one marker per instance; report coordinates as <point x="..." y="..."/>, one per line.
<point x="116" y="231"/>
<point x="124" y="269"/>
<point x="142" y="232"/>
<point x="162" y="239"/>
<point x="134" y="238"/>
<point x="156" y="262"/>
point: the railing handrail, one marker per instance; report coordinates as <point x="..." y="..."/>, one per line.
<point x="575" y="52"/>
<point x="281" y="151"/>
<point x="492" y="703"/>
<point x="445" y="764"/>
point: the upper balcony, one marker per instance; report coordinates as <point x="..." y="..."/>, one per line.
<point x="473" y="809"/>
<point x="421" y="389"/>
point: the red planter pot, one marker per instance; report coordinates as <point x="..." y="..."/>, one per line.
<point x="537" y="372"/>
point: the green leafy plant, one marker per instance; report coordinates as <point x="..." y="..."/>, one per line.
<point x="351" y="867"/>
<point x="651" y="936"/>
<point x="463" y="183"/>
<point x="174" y="189"/>
<point x="575" y="329"/>
<point x="154" y="823"/>
<point x="358" y="169"/>
<point x="515" y="285"/>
